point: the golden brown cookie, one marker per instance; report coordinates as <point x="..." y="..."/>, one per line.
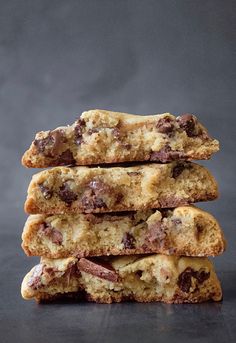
<point x="110" y="137"/>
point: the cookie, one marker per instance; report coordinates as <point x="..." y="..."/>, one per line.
<point x="163" y="278"/>
<point x="64" y="190"/>
<point x="185" y="230"/>
<point x="111" y="137"/>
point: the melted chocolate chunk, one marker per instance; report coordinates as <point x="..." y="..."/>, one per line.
<point x="171" y="201"/>
<point x="177" y="221"/>
<point x="50" y="145"/>
<point x="127" y="146"/>
<point x="185" y="278"/>
<point x="128" y="240"/>
<point x="199" y="230"/>
<point x="177" y="170"/>
<point x="66" y="158"/>
<point x="188" y="122"/>
<point x="98" y="268"/>
<point x="92" y="202"/>
<point x="166" y="155"/>
<point x="46" y="191"/>
<point x="156" y="233"/>
<point x="116" y="133"/>
<point x="165" y="125"/>
<point x="66" y="194"/>
<point x="92" y="197"/>
<point x="78" y="131"/>
<point x="35" y="279"/>
<point x="91" y="131"/>
<point x="52" y="233"/>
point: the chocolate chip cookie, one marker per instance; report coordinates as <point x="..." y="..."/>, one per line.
<point x="100" y="136"/>
<point x="185" y="230"/>
<point x="163" y="278"/>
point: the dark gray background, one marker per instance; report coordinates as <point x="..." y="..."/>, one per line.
<point x="58" y="58"/>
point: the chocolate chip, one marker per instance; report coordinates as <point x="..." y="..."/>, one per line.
<point x="185" y="278"/>
<point x="78" y="131"/>
<point x="54" y="234"/>
<point x="98" y="268"/>
<point x="187" y="122"/>
<point x="128" y="240"/>
<point x="66" y="194"/>
<point x="165" y="125"/>
<point x="46" y="191"/>
<point x="35" y="279"/>
<point x="50" y="145"/>
<point x="66" y="158"/>
<point x="166" y="155"/>
<point x="177" y="170"/>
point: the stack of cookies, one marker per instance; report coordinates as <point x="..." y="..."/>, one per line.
<point x="113" y="220"/>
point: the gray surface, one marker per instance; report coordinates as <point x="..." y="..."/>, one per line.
<point x="58" y="58"/>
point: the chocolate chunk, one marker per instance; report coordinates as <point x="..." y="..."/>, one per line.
<point x="156" y="233"/>
<point x="188" y="122"/>
<point x="72" y="271"/>
<point x="98" y="268"/>
<point x="165" y="125"/>
<point x="78" y="131"/>
<point x="171" y="201"/>
<point x="185" y="278"/>
<point x="92" y="202"/>
<point x="202" y="276"/>
<point x="91" y="131"/>
<point x="66" y="194"/>
<point x="198" y="231"/>
<point x="166" y="155"/>
<point x="92" y="197"/>
<point x="119" y="198"/>
<point x="133" y="173"/>
<point x="116" y="133"/>
<point x="176" y="221"/>
<point x="46" y="191"/>
<point x="50" y="145"/>
<point x="128" y="240"/>
<point x="127" y="146"/>
<point x="65" y="159"/>
<point x="54" y="234"/>
<point x="35" y="279"/>
<point x="98" y="186"/>
<point x="177" y="170"/>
